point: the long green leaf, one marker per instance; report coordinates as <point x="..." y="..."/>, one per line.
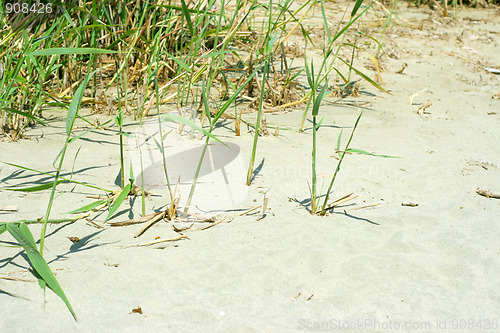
<point x="180" y="62"/>
<point x="338" y="142"/>
<point x="373" y="83"/>
<point x="75" y="103"/>
<point x="175" y="118"/>
<point x="35" y="188"/>
<point x="185" y="13"/>
<point x="50" y="174"/>
<point x="317" y="102"/>
<point x="27" y="115"/>
<point x="359" y="151"/>
<point x="118" y="202"/>
<point x="356" y="7"/>
<point x="88" y="207"/>
<point x="23" y="235"/>
<point x="70" y="50"/>
<point x="351" y="21"/>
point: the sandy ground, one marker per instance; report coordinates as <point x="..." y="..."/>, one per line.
<point x="433" y="267"/>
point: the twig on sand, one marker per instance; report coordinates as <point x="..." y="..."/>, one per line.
<point x="94" y="224"/>
<point x="8" y="209"/>
<point x="150" y="223"/>
<point x="182" y="236"/>
<point x="142" y="219"/>
<point x="249" y="210"/>
<point x="369" y="206"/>
<point x="340" y="201"/>
<point x="487" y="193"/>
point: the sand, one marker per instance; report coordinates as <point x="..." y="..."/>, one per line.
<point x="390" y="267"/>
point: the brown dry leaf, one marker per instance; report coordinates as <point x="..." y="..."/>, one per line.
<point x="141" y="219"/>
<point x="487" y="193"/>
<point x="402" y="68"/>
<point x="150" y="223"/>
<point x="422" y="109"/>
<point x="8" y="209"/>
<point x="137" y="310"/>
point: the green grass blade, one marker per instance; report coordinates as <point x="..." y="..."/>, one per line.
<point x="119" y="201"/>
<point x="205" y="102"/>
<point x="62" y="178"/>
<point x="189" y="123"/>
<point x="338" y="142"/>
<point x="359" y="151"/>
<point x="23" y="235"/>
<point x="88" y="207"/>
<point x="75" y="103"/>
<point x="27" y="115"/>
<point x="356" y="7"/>
<point x="351" y="22"/>
<point x="373" y="83"/>
<point x="234" y="96"/>
<point x="318" y="99"/>
<point x="185" y="13"/>
<point x="35" y="188"/>
<point x="180" y="63"/>
<point x="70" y="50"/>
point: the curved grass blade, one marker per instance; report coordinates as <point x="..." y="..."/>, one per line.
<point x="27" y="115"/>
<point x="175" y="118"/>
<point x="359" y="151"/>
<point x="373" y="83"/>
<point x="317" y="102"/>
<point x="337" y="169"/>
<point x="185" y="13"/>
<point x="352" y="21"/>
<point x="119" y="201"/>
<point x="88" y="207"/>
<point x="62" y="178"/>
<point x="23" y="235"/>
<point x="35" y="188"/>
<point x="75" y="103"/>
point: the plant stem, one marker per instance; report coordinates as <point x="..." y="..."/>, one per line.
<point x="338" y="165"/>
<point x="313" y="191"/>
<point x="257" y="127"/>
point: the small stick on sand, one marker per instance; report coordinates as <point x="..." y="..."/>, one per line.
<point x="249" y="210"/>
<point x="150" y="223"/>
<point x="340" y="201"/>
<point x="94" y="224"/>
<point x="158" y="241"/>
<point x="8" y="209"/>
<point x="488" y="194"/>
<point x="369" y="206"/>
<point x="141" y="219"/>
